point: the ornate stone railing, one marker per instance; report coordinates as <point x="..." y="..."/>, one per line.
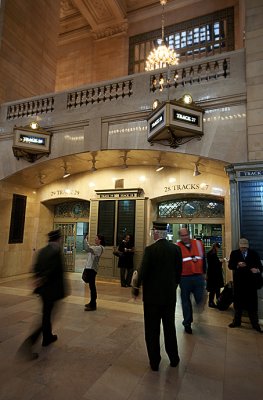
<point x="193" y="74"/>
<point x="99" y="94"/>
<point x="78" y="98"/>
<point x="32" y="107"/>
<point x="140" y="86"/>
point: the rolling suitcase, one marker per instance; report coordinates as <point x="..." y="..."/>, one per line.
<point x="226" y="297"/>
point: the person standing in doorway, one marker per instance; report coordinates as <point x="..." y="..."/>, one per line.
<point x="160" y="275"/>
<point x="92" y="266"/>
<point x="246" y="266"/>
<point x="125" y="263"/>
<point x="214" y="275"/>
<point x="50" y="286"/>
<point x="193" y="278"/>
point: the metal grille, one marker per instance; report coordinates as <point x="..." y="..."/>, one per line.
<point x="76" y="209"/>
<point x="251" y="213"/>
<point x="200" y="37"/>
<point x="191" y="208"/>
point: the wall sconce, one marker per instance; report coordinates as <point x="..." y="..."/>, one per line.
<point x="196" y="170"/>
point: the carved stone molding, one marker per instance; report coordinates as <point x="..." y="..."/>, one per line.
<point x="111" y="31"/>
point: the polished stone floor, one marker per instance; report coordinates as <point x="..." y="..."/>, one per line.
<point x="101" y="355"/>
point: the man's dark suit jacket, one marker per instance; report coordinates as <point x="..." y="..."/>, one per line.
<point x="245" y="289"/>
<point x="243" y="274"/>
<point x="49" y="269"/>
<point x="160" y="272"/>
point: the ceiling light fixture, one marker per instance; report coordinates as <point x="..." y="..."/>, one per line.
<point x="187" y="98"/>
<point x="196" y="170"/>
<point x="93" y="161"/>
<point x="34" y="125"/>
<point x="159" y="167"/>
<point x="41" y="178"/>
<point x="162" y="56"/>
<point x="125" y="158"/>
<point x="66" y="173"/>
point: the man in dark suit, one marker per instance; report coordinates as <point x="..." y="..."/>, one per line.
<point x="246" y="266"/>
<point x="160" y="274"/>
<point x="49" y="285"/>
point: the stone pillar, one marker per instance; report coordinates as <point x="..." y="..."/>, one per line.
<point x="254" y="75"/>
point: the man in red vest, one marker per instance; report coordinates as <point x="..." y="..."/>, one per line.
<point x="192" y="278"/>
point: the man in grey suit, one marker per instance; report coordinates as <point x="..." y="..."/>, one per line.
<point x="159" y="275"/>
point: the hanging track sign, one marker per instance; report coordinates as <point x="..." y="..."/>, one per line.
<point x="31" y="144"/>
<point x="176" y="118"/>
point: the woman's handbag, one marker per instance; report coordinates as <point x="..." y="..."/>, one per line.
<point x="86" y="275"/>
<point x="116" y="253"/>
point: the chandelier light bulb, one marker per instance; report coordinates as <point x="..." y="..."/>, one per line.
<point x="161" y="57"/>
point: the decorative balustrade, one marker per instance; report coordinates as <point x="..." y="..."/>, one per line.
<point x="194" y="74"/>
<point x="99" y="94"/>
<point x="30" y="108"/>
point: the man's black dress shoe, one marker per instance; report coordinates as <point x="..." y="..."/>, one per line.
<point x="234" y="325"/>
<point x="188" y="329"/>
<point x="155" y="364"/>
<point x="175" y="362"/>
<point x="257" y="328"/>
<point x="212" y="305"/>
<point x="154" y="367"/>
<point x="90" y="308"/>
<point x="47" y="342"/>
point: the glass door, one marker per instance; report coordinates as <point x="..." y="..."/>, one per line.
<point x="82" y="229"/>
<point x="69" y="243"/>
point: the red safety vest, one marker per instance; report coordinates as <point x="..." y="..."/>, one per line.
<point x="196" y="251"/>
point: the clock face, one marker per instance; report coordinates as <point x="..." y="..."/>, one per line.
<point x="191" y="209"/>
<point x="77" y="209"/>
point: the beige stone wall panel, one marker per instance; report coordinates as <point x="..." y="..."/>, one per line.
<point x="28" y="49"/>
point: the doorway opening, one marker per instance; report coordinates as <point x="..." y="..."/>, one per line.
<point x="73" y="244"/>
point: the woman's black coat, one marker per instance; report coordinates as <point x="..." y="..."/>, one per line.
<point x="214" y="275"/>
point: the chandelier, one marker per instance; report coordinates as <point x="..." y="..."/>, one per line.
<point x="163" y="56"/>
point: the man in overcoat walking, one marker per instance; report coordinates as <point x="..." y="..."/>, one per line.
<point x="50" y="286"/>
